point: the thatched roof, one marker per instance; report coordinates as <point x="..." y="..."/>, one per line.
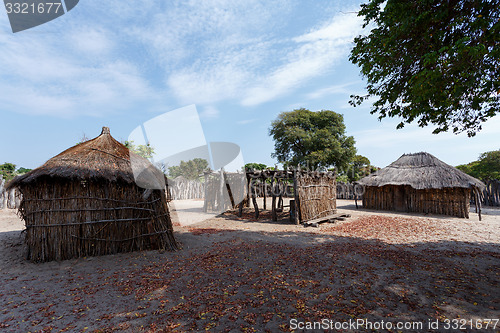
<point x="100" y="159"/>
<point x="421" y="171"/>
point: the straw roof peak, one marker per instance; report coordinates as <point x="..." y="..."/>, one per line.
<point x="421" y="171"/>
<point x="105" y="130"/>
<point x="102" y="158"/>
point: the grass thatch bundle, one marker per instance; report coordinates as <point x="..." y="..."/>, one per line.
<point x="86" y="202"/>
<point x="420" y="183"/>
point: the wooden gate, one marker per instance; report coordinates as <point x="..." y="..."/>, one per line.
<point x="315" y="195"/>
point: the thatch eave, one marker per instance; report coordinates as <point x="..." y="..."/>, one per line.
<point x="100" y="159"/>
<point x="421" y="171"/>
<point x="71" y="174"/>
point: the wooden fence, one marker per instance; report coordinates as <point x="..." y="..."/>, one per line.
<point x="262" y="188"/>
<point x="316" y="195"/>
<point x="182" y="189"/>
<point x="346" y="191"/>
<point x="491" y="195"/>
<point x="223" y="191"/>
<point x="8" y="199"/>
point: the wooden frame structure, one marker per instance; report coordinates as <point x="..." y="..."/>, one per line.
<point x="313" y="193"/>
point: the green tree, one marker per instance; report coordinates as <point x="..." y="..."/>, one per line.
<point x="360" y="162"/>
<point x="342" y="178"/>
<point x="8" y="170"/>
<point x="434" y="62"/>
<point x="191" y="169"/>
<point x="146" y="151"/>
<point x="359" y="167"/>
<point x="487" y="167"/>
<point x="255" y="166"/>
<point x="22" y="171"/>
<point x="312" y="139"/>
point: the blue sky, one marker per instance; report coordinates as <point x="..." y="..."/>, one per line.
<point x="119" y="64"/>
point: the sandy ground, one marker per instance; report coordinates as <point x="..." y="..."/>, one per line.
<point x="237" y="274"/>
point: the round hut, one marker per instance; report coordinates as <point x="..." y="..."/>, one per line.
<point x="86" y="202"/>
<point x="421" y="183"/>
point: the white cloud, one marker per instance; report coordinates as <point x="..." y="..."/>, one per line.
<point x="211" y="54"/>
<point x="246" y="121"/>
<point x="198" y="52"/>
<point x="332" y="90"/>
<point x="205" y="86"/>
<point x="68" y="74"/>
<point x="316" y="52"/>
<point x="207" y="32"/>
<point x="343" y="27"/>
<point x="92" y="41"/>
<point x="209" y="112"/>
<point x="30" y="100"/>
<point x="225" y="50"/>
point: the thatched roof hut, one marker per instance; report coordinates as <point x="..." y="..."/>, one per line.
<point x="86" y="201"/>
<point x="420" y="183"/>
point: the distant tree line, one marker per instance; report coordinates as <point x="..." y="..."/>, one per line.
<point x="9" y="171"/>
<point x="192" y="169"/>
<point x="486" y="168"/>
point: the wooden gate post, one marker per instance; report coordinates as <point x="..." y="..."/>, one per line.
<point x="221" y="204"/>
<point x="296" y="196"/>
<point x="205" y="191"/>
<point x="273" y="201"/>
<point x="2" y="192"/>
<point x="478" y="200"/>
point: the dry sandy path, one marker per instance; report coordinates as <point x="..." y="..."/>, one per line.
<point x="236" y="274"/>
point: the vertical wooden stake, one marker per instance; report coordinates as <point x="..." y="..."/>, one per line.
<point x="264" y="188"/>
<point x="296" y="197"/>
<point x="478" y="199"/>
<point x="2" y="193"/>
<point x="221" y="203"/>
<point x="229" y="191"/>
<point x="248" y="190"/>
<point x="254" y="201"/>
<point x="205" y="184"/>
<point x="273" y="202"/>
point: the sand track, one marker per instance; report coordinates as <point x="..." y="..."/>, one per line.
<point x="235" y="274"/>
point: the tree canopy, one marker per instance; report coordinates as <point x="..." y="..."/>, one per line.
<point x="146" y="151"/>
<point x="191" y="169"/>
<point x="433" y="62"/>
<point x="22" y="170"/>
<point x="8" y="170"/>
<point x="312" y="139"/>
<point x="487" y="167"/>
<point x="359" y="167"/>
<point x="255" y="166"/>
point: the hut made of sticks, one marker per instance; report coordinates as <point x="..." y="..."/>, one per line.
<point x="313" y="192"/>
<point x="86" y="202"/>
<point x="420" y="183"/>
